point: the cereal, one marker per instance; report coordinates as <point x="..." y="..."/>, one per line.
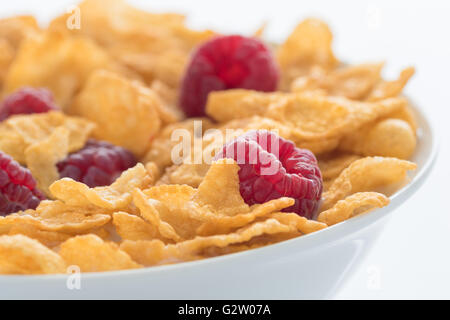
<point x="366" y="174"/>
<point x="116" y="81"/>
<point x="155" y="252"/>
<point x="168" y="110"/>
<point x="387" y="138"/>
<point x="20" y="132"/>
<point x="42" y="157"/>
<point x="387" y="89"/>
<point x="308" y="46"/>
<point x="57" y="62"/>
<point x="22" y="255"/>
<point x="158" y="152"/>
<point x="310" y="117"/>
<point x="152" y="211"/>
<point x="334" y="164"/>
<point x="131" y="227"/>
<point x="156" y="46"/>
<point x="6" y="57"/>
<point x="353" y="82"/>
<point x="91" y="254"/>
<point x="49" y="239"/>
<point x="221" y="176"/>
<point x="114" y="197"/>
<point x="357" y="203"/>
<point x="15" y="29"/>
<point x="59" y="217"/>
<point x="125" y="112"/>
<point x="239" y="103"/>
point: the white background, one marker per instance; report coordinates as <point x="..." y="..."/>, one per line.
<point x="412" y="256"/>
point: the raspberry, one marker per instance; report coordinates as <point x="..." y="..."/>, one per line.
<point x="99" y="163"/>
<point x="17" y="187"/>
<point x="272" y="167"/>
<point x="26" y="101"/>
<point x="227" y="62"/>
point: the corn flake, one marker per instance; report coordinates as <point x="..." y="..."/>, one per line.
<point x="387" y="138"/>
<point x="366" y="174"/>
<point x="42" y="157"/>
<point x="354" y="204"/>
<point x="59" y="217"/>
<point x="19" y="132"/>
<point x="91" y="254"/>
<point x="131" y="227"/>
<point x="117" y="196"/>
<point x="22" y="255"/>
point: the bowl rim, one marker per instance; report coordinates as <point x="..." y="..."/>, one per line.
<point x="312" y="241"/>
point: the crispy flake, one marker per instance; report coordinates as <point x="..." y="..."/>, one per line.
<point x="357" y="203"/>
<point x="22" y="255"/>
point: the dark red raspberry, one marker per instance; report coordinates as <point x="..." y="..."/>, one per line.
<point x="99" y="163"/>
<point x="17" y="187"/>
<point x="227" y="62"/>
<point x="26" y="101"/>
<point x="272" y="167"/>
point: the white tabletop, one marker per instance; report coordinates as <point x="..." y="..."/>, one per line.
<point x="412" y="257"/>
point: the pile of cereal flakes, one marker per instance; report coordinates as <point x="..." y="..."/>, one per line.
<point x="108" y="101"/>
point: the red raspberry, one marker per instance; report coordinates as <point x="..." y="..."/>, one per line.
<point x="99" y="163"/>
<point x="227" y="62"/>
<point x="272" y="167"/>
<point x="17" y="187"/>
<point x="26" y="101"/>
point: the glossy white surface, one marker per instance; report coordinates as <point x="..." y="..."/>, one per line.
<point x="410" y="259"/>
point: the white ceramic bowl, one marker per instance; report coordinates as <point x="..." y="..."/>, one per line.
<point x="311" y="266"/>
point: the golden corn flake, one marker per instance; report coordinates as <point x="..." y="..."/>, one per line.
<point x="49" y="239"/>
<point x="387" y="138"/>
<point x="300" y="224"/>
<point x="168" y="109"/>
<point x="219" y="191"/>
<point x="171" y="209"/>
<point x="42" y="157"/>
<point x="161" y="147"/>
<point x="355" y="204"/>
<point x="57" y="62"/>
<point x="131" y="227"/>
<point x="367" y="174"/>
<point x="15" y="29"/>
<point x="352" y="82"/>
<point x="6" y="57"/>
<point x="332" y="165"/>
<point x="155" y="252"/>
<point x="318" y="117"/>
<point x="19" y="132"/>
<point x="153" y="211"/>
<point x="117" y="196"/>
<point x="310" y="117"/>
<point x="239" y="103"/>
<point x="59" y="217"/>
<point x="125" y="112"/>
<point x="222" y="224"/>
<point x="309" y="45"/>
<point x="22" y="255"/>
<point x="157" y="46"/>
<point x="186" y="173"/>
<point x="388" y="89"/>
<point x="91" y="254"/>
